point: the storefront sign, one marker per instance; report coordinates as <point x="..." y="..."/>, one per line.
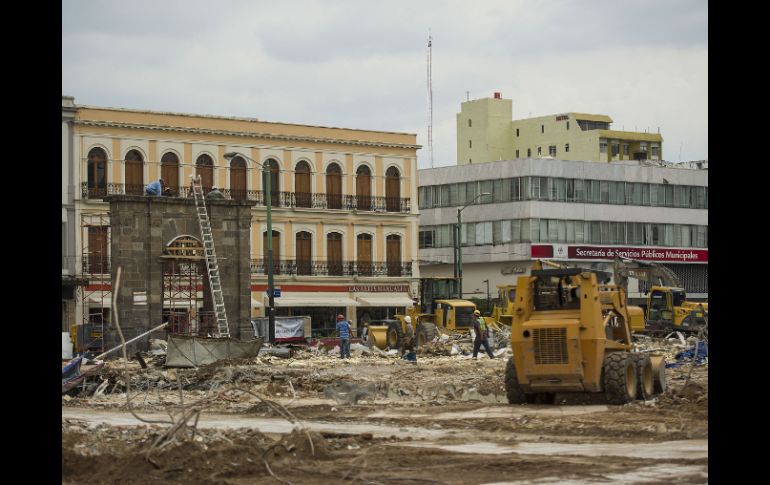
<point x="564" y="251"/>
<point x="379" y="288"/>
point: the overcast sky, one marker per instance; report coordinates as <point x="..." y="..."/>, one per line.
<point x="363" y="64"/>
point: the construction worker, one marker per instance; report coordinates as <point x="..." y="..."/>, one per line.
<point x="408" y="344"/>
<point x="154" y="188"/>
<point x="482" y="334"/>
<point x="343" y="330"/>
<point x="215" y="193"/>
<point x="365" y="333"/>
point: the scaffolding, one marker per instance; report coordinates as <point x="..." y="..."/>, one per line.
<point x="96" y="296"/>
<point x="187" y="308"/>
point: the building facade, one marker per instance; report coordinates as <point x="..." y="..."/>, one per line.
<point x="344" y="213"/>
<point x="485" y="133"/>
<point x="69" y="223"/>
<point x="580" y="212"/>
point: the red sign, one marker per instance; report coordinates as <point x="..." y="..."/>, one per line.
<point x="542" y="251"/>
<point x="678" y="255"/>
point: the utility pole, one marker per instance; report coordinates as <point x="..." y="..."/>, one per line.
<point x="430" y="97"/>
<point x="458" y="245"/>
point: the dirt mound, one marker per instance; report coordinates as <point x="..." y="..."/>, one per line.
<point x="300" y="444"/>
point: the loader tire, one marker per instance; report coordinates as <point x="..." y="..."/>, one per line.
<point x="659" y="380"/>
<point x="645" y="379"/>
<point x="425" y="332"/>
<point x="513" y="390"/>
<point x="395" y="336"/>
<point x="619" y="378"/>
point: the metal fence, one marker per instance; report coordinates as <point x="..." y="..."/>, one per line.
<point x="291" y="200"/>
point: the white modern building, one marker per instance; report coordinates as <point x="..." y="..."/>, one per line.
<point x="578" y="212"/>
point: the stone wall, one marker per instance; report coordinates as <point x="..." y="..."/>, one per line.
<point x="143" y="226"/>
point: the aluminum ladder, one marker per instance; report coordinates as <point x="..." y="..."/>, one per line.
<point x="211" y="258"/>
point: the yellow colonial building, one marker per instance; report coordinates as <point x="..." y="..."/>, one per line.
<point x="344" y="211"/>
<point x="486" y="133"/>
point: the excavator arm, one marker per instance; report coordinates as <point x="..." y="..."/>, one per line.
<point x="538" y="264"/>
<point x="653" y="273"/>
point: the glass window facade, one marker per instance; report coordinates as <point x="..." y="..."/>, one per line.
<point x="566" y="231"/>
<point x="562" y="189"/>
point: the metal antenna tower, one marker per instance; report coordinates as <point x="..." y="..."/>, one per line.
<point x="430" y="98"/>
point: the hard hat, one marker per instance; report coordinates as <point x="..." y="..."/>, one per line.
<point x="340" y="317"/>
<point x="213" y="187"/>
<point x="476" y="312"/>
<point x="408" y="319"/>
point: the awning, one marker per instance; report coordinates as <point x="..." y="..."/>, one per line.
<point x="385" y="300"/>
<point x="256" y="303"/>
<point x="324" y="299"/>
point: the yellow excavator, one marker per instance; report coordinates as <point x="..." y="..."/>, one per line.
<point x="438" y="310"/>
<point x="570" y="332"/>
<point x="667" y="305"/>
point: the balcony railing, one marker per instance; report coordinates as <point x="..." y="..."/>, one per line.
<point x="331" y="268"/>
<point x="279" y="199"/>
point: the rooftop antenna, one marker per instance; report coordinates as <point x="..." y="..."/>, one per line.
<point x="430" y="98"/>
<point x="467" y="95"/>
<point x="680" y="150"/>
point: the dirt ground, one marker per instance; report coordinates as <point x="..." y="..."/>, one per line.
<point x="313" y="419"/>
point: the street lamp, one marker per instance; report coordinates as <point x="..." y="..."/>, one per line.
<point x="268" y="203"/>
<point x="487" y="282"/>
<point x="458" y="245"/>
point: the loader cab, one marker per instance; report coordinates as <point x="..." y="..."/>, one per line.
<point x="433" y="289"/>
<point x="454" y="314"/>
<point x="557" y="290"/>
<point x="678" y="297"/>
<point x="506" y="295"/>
<point x="659" y="306"/>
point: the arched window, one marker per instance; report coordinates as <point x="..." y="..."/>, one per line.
<point x="393" y="251"/>
<point x="364" y="188"/>
<point x="134" y="173"/>
<point x="204" y="167"/>
<point x="169" y="170"/>
<point x="392" y="190"/>
<point x="97" y="173"/>
<point x="238" y="188"/>
<point x="334" y="253"/>
<point x="275" y="185"/>
<point x="334" y="186"/>
<point x="364" y="249"/>
<point x="276" y="251"/>
<point x="302" y="190"/>
<point x="304" y="253"/>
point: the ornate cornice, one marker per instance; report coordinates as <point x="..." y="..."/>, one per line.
<point x="244" y="134"/>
